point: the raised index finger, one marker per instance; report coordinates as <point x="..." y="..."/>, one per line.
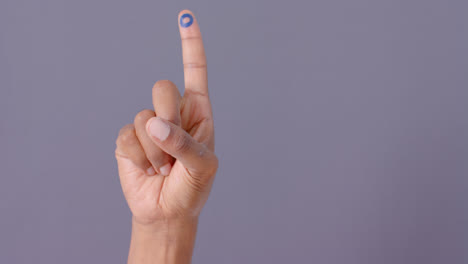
<point x="193" y="54"/>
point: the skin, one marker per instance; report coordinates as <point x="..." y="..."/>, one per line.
<point x="167" y="163"/>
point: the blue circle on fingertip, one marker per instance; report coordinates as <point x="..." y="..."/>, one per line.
<point x="189" y="23"/>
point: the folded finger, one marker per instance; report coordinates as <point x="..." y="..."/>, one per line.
<point x="129" y="147"/>
<point x="159" y="159"/>
<point x="195" y="156"/>
<point x="166" y="101"/>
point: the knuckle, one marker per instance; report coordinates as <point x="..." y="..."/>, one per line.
<point x="125" y="128"/>
<point x="122" y="131"/>
<point x="215" y="163"/>
<point x="118" y="153"/>
<point x="162" y="85"/>
<point x="209" y="160"/>
<point x="127" y="137"/>
<point x="212" y="164"/>
<point x="143" y="115"/>
<point x="182" y="143"/>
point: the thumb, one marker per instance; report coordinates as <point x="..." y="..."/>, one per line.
<point x="175" y="141"/>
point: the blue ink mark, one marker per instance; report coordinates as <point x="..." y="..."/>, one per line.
<point x="188" y="24"/>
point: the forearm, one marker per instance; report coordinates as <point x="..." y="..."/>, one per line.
<point x="165" y="242"/>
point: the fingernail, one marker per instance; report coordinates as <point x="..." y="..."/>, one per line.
<point x="186" y="20"/>
<point x="158" y="128"/>
<point x="165" y="170"/>
<point x="150" y="171"/>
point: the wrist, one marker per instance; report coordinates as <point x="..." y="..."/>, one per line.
<point x="165" y="227"/>
<point x="163" y="241"/>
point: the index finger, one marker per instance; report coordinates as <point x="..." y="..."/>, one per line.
<point x="193" y="54"/>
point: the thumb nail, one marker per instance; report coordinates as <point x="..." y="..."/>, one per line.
<point x="158" y="128"/>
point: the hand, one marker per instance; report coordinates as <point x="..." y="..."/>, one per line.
<point x="165" y="158"/>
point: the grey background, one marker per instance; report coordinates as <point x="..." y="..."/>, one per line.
<point x="341" y="127"/>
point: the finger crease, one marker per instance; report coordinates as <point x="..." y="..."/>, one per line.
<point x="195" y="65"/>
<point x="195" y="37"/>
<point x="195" y="92"/>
